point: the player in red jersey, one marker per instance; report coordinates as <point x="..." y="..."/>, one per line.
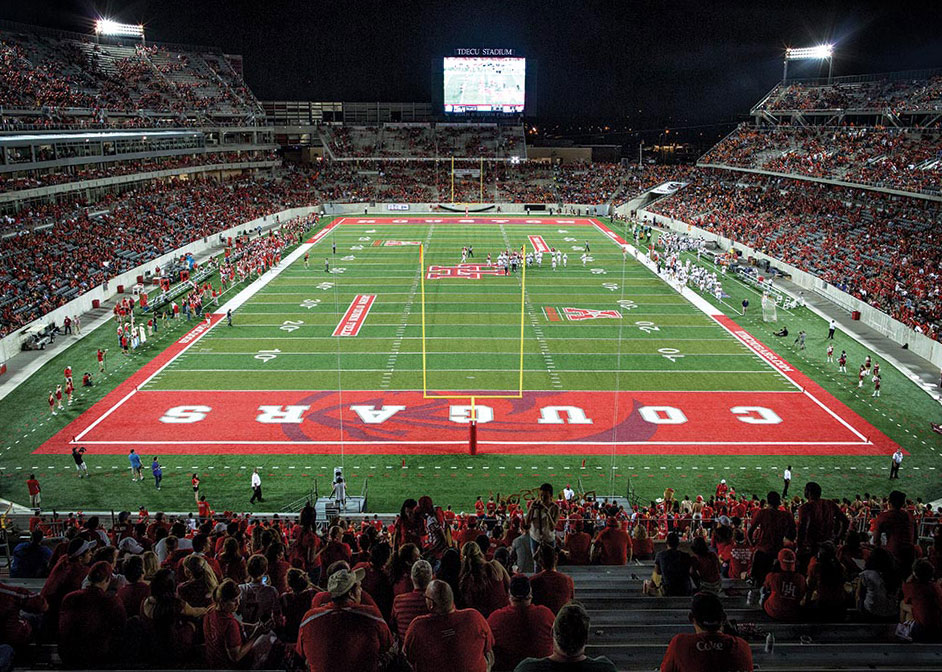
<point x="59" y="396"/>
<point x="69" y="388"/>
<point x="68" y="374"/>
<point x="52" y="403"/>
<point x="101" y="360"/>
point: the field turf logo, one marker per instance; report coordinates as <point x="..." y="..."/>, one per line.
<point x="466" y="271"/>
<point x="554" y="314"/>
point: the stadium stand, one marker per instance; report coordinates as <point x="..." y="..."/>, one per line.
<point x="423" y="141"/>
<point x="891" y="158"/>
<point x="634" y="588"/>
<point x="880" y="248"/>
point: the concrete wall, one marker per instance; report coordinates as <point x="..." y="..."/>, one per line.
<point x="563" y="154"/>
<point x="10" y="345"/>
<point x="895" y="330"/>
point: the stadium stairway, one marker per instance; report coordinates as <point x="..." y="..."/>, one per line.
<point x="633" y="630"/>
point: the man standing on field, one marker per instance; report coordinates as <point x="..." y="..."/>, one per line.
<point x="135" y="461"/>
<point x="256" y="487"/>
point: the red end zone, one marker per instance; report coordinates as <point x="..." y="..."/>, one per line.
<point x="808" y="421"/>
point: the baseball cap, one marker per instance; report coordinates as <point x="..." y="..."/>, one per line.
<point x="787" y="559"/>
<point x="342" y="582"/>
<point x="78" y="546"/>
<point x="520" y="586"/>
<point x="707" y="610"/>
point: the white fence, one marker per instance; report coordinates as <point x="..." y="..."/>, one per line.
<point x="895" y="330"/>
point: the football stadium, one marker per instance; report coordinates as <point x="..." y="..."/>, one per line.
<point x="545" y="370"/>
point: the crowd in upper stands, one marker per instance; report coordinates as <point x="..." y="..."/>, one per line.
<point x="39" y="71"/>
<point x="423" y="141"/>
<point x="897" y="95"/>
<point x="880" y="248"/>
<point x="905" y="159"/>
<point x="232" y="590"/>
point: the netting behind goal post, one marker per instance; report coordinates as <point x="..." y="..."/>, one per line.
<point x="768" y="309"/>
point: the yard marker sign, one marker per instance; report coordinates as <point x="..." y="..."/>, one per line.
<point x="355" y="316"/>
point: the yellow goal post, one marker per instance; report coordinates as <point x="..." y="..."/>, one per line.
<point x="473" y="397"/>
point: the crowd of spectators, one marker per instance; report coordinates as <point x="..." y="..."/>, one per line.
<point x="78" y="173"/>
<point x="235" y="590"/>
<point x="881" y="248"/>
<point x="900" y="96"/>
<point x="38" y="71"/>
<point x="904" y="159"/>
<point x="423" y="141"/>
<point x="47" y="266"/>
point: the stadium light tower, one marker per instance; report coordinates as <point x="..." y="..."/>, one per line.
<point x="111" y="28"/>
<point x="823" y="52"/>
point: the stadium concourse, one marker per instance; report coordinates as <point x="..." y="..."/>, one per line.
<point x="117" y="156"/>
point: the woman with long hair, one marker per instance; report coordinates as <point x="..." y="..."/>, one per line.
<point x="449" y="571"/>
<point x="296" y="602"/>
<point x="231" y="561"/>
<point x="483" y="584"/>
<point x="642" y="546"/>
<point x="171" y="620"/>
<point x="277" y="566"/>
<point x="200" y="582"/>
<point x="226" y="644"/>
<point x="409" y="527"/>
<point x="376" y="582"/>
<point x="705" y="567"/>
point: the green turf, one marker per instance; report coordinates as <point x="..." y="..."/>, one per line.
<point x="472" y="329"/>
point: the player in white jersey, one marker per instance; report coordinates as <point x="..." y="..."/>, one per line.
<point x="554" y="263"/>
<point x="565" y="260"/>
<point x="830" y="354"/>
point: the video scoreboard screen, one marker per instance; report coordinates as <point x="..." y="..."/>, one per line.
<point x="484" y="84"/>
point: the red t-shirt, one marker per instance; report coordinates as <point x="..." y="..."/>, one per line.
<point x="406" y="608"/>
<point x="12" y="599"/>
<point x="132" y="595"/>
<point x="707" y="566"/>
<point x="899" y="529"/>
<point x="768" y="529"/>
<point x="642" y="548"/>
<point x="787" y="591"/>
<point x="552" y="589"/>
<point x="614" y="541"/>
<point x="222" y="632"/>
<point x="33" y="486"/>
<point x="707" y="652"/>
<point x="926" y="600"/>
<point x="347" y="638"/>
<point x="578" y="544"/>
<point x="86" y="616"/>
<point x="740" y="560"/>
<point x="462" y="638"/>
<point x="521" y="632"/>
<point x="488" y="598"/>
<point x="334" y="551"/>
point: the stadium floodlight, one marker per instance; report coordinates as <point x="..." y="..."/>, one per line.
<point x="114" y="29"/>
<point x="822" y="52"/>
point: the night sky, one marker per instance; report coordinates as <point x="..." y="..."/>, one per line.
<point x="627" y="63"/>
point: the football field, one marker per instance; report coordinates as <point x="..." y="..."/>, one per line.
<point x="377" y="348"/>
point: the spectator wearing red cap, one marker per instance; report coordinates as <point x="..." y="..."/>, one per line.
<point x="409" y="606"/>
<point x="785" y="589"/>
<point x="17" y="631"/>
<point x="460" y="636"/>
<point x="91" y="621"/>
<point x="345" y="636"/>
<point x="612" y="546"/>
<point x="551" y="588"/>
<point x="708" y="649"/>
<point x="521" y="629"/>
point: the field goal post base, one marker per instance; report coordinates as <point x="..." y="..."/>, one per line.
<point x="473" y="421"/>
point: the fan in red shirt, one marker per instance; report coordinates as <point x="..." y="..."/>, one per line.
<point x="521" y="629"/>
<point x="225" y="646"/>
<point x="336" y="549"/>
<point x="819" y="520"/>
<point x="786" y="589"/>
<point x="900" y="530"/>
<point x="345" y="636"/>
<point x="13" y="599"/>
<point x="578" y="544"/>
<point x="613" y="544"/>
<point x="551" y="588"/>
<point x="708" y="649"/>
<point x="768" y="530"/>
<point x="460" y="636"/>
<point x="203" y="510"/>
<point x="66" y="576"/>
<point x="409" y="606"/>
<point x="91" y="621"/>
